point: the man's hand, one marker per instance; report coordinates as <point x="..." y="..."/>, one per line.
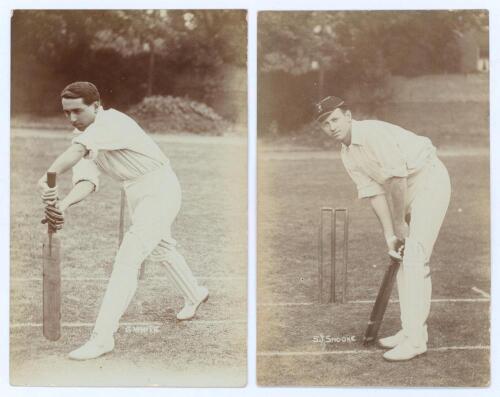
<point x="48" y="194"/>
<point x="54" y="216"/>
<point x="396" y="248"/>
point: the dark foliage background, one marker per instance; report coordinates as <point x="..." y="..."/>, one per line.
<point x="304" y="56"/>
<point x="129" y="55"/>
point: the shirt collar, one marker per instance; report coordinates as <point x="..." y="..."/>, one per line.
<point x="356" y="137"/>
<point x="98" y="114"/>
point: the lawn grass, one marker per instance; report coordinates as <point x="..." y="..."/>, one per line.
<point x="211" y="233"/>
<point x="292" y="188"/>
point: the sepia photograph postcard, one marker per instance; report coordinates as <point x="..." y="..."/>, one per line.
<point x="373" y="231"/>
<point x="249" y="197"/>
<point x="128" y="192"/>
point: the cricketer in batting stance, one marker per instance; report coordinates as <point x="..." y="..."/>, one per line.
<point x="399" y="172"/>
<point x="110" y="142"/>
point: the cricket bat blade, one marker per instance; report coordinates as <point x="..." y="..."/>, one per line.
<point x="51" y="253"/>
<point x="380" y="306"/>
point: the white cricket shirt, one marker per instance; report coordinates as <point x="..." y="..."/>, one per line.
<point x="379" y="151"/>
<point x="117" y="146"/>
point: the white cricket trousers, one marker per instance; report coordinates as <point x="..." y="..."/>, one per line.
<point x="428" y="197"/>
<point x="153" y="200"/>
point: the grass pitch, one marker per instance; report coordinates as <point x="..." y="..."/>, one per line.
<point x="152" y="347"/>
<point x="303" y="343"/>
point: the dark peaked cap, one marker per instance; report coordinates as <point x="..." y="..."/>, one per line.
<point x="327" y="105"/>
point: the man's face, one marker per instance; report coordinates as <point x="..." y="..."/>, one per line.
<point x="78" y="113"/>
<point x="338" y="125"/>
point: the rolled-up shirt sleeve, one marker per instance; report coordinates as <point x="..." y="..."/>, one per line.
<point x="366" y="186"/>
<point x="388" y="154"/>
<point x="86" y="170"/>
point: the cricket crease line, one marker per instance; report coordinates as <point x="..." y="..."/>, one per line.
<point x="130" y="324"/>
<point x="21" y="279"/>
<point x="370" y="351"/>
<point x="273" y="155"/>
<point x="287" y="304"/>
<point x="481" y="292"/>
<point x="444" y="300"/>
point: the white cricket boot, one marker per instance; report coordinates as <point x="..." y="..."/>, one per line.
<point x="404" y="351"/>
<point x="96" y="346"/>
<point x="189" y="309"/>
<point x="390" y="342"/>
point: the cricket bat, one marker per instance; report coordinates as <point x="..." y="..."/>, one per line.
<point x="51" y="279"/>
<point x="381" y="302"/>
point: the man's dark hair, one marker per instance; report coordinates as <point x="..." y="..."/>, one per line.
<point x="81" y="89"/>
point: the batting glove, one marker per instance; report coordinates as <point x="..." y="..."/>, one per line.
<point x="48" y="194"/>
<point x="398" y="248"/>
<point x="54" y="217"/>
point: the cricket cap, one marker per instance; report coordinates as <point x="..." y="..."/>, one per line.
<point x="327" y="105"/>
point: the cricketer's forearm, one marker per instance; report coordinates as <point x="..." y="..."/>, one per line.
<point x="68" y="159"/>
<point x="397" y="189"/>
<point x="81" y="190"/>
<point x="381" y="208"/>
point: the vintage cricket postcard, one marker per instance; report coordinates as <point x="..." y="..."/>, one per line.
<point x="373" y="198"/>
<point x="128" y="198"/>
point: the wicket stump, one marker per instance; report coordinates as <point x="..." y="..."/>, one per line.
<point x="333" y="253"/>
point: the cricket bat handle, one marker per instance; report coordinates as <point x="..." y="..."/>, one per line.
<point x="51" y="182"/>
<point x="51" y="179"/>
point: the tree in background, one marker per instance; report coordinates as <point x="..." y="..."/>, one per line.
<point x="133" y="53"/>
<point x="304" y="55"/>
<point x="49" y="49"/>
